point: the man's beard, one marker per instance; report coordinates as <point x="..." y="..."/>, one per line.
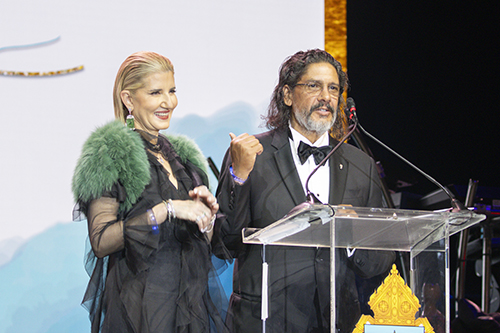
<point x="319" y="127"/>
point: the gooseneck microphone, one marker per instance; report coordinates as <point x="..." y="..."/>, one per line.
<point x="351" y="108"/>
<point x="351" y="114"/>
<point x="455" y="203"/>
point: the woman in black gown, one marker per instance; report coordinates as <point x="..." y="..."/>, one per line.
<point x="150" y="214"/>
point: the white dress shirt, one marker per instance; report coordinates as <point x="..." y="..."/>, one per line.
<point x="319" y="184"/>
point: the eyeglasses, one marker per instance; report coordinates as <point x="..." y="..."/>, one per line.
<point x="314" y="88"/>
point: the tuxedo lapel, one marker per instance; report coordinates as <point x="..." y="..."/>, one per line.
<point x="286" y="167"/>
<point x="338" y="175"/>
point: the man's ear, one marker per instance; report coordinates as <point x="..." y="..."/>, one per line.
<point x="287" y="95"/>
<point x="126" y="97"/>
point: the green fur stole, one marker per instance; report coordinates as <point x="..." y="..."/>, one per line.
<point x="113" y="153"/>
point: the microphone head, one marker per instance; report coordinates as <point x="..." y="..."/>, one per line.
<point x="351" y="108"/>
<point x="350" y="103"/>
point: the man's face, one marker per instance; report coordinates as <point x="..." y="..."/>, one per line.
<point x="314" y="100"/>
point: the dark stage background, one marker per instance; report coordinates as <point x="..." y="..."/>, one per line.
<point x="424" y="76"/>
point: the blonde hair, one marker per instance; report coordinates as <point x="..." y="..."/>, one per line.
<point x="131" y="74"/>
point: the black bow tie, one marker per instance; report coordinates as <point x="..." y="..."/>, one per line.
<point x="319" y="153"/>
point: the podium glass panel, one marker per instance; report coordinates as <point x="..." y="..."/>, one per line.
<point x="364" y="239"/>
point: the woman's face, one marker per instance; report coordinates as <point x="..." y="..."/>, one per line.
<point x="153" y="104"/>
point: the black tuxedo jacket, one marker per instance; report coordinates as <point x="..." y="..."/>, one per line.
<point x="298" y="277"/>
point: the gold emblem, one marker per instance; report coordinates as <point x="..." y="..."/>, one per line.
<point x="393" y="303"/>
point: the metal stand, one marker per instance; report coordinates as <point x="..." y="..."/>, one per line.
<point x="486" y="278"/>
<point x="265" y="299"/>
<point x="462" y="246"/>
<point x="333" y="306"/>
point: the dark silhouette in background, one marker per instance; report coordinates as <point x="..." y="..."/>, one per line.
<point x="424" y="75"/>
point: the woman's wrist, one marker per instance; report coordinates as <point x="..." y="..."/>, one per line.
<point x="153" y="222"/>
<point x="169" y="206"/>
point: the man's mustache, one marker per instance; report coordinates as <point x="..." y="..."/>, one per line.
<point x="321" y="105"/>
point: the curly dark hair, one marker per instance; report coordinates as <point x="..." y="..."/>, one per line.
<point x="291" y="71"/>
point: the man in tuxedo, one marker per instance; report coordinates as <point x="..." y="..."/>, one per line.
<point x="263" y="178"/>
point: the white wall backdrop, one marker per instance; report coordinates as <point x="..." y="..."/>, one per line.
<point x="226" y="55"/>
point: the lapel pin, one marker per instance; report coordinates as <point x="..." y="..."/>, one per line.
<point x="341" y="166"/>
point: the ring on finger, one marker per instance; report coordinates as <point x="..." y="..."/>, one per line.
<point x="209" y="226"/>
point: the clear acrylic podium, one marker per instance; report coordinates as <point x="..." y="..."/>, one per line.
<point x="420" y="237"/>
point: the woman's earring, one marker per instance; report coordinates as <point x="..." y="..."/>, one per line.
<point x="130" y="120"/>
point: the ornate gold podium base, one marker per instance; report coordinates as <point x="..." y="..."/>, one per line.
<point x="393" y="304"/>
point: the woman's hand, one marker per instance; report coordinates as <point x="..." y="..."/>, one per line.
<point x="201" y="210"/>
<point x="202" y="194"/>
<point x="194" y="211"/>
